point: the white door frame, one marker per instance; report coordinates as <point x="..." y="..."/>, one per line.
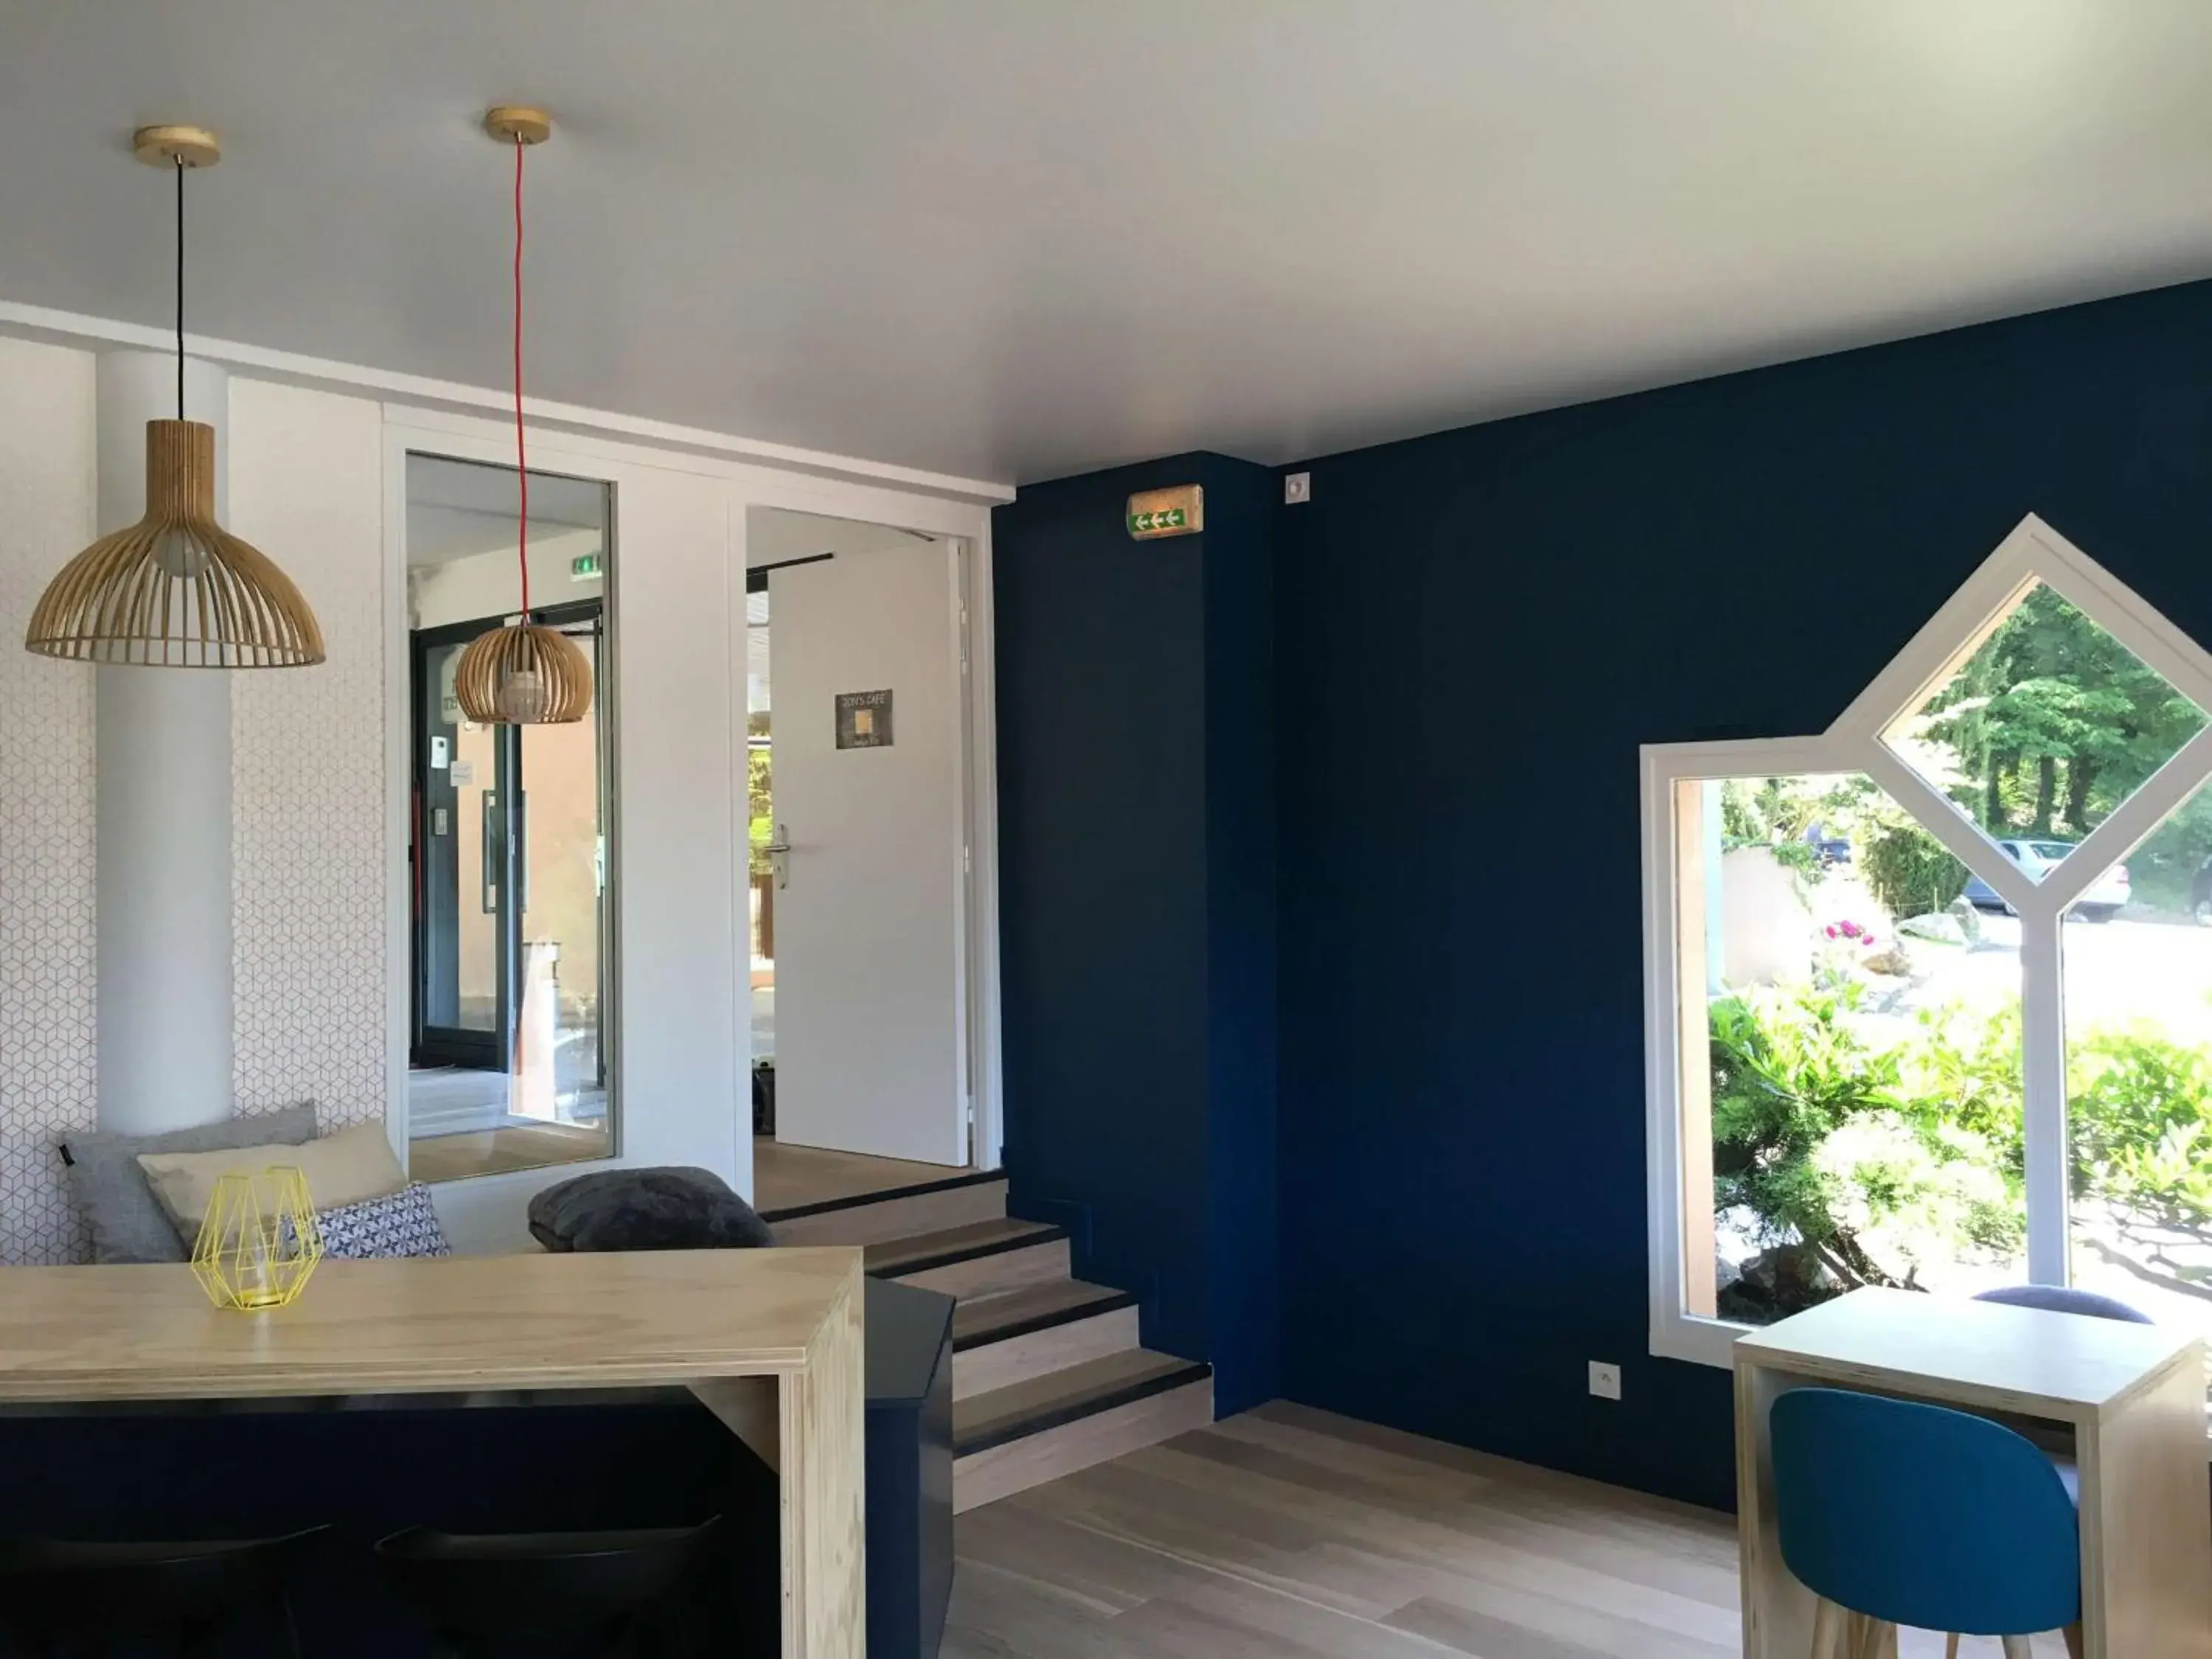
<point x="415" y="428"/>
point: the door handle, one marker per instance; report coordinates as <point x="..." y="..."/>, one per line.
<point x="489" y="850"/>
<point x="779" y="856"/>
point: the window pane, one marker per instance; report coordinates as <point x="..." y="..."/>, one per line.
<point x="1850" y="1035"/>
<point x="2138" y="989"/>
<point x="2047" y="727"/>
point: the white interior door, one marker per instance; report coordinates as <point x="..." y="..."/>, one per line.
<point x="869" y="995"/>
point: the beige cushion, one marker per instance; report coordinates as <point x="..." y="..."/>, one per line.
<point x="345" y="1168"/>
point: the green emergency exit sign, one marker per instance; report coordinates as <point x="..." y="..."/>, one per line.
<point x="584" y="568"/>
<point x="1177" y="511"/>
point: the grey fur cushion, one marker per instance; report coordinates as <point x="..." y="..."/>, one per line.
<point x="661" y="1209"/>
<point x="127" y="1222"/>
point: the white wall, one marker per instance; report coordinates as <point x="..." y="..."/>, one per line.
<point x="46" y="916"/>
<point x="320" y="877"/>
<point x="307" y="822"/>
<point x="676" y="835"/>
<point x="163" y="817"/>
<point x="307" y="836"/>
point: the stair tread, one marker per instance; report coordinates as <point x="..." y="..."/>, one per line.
<point x="950" y="1180"/>
<point x="1008" y="1313"/>
<point x="914" y="1251"/>
<point x="1038" y="1403"/>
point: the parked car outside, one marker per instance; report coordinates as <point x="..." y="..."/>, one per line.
<point x="1831" y="850"/>
<point x="2039" y="857"/>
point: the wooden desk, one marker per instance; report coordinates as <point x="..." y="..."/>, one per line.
<point x="2134" y="1396"/>
<point x="771" y="1340"/>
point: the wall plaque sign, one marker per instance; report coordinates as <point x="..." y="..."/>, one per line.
<point x="864" y="720"/>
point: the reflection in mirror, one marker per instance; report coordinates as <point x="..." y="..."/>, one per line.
<point x="512" y="1034"/>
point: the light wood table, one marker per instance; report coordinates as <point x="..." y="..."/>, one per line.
<point x="2133" y="1395"/>
<point x="771" y="1340"/>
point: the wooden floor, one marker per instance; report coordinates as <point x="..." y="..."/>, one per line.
<point x="1287" y="1532"/>
<point x="785" y="1177"/>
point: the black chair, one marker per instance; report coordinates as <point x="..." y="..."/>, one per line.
<point x="617" y="1589"/>
<point x="58" y="1596"/>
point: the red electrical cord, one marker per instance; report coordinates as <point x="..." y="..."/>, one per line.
<point x="521" y="461"/>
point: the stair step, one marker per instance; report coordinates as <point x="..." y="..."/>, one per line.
<point x="1001" y="1340"/>
<point x="920" y="1252"/>
<point x="1009" y="1439"/>
<point x="946" y="1182"/>
<point x="959" y="1200"/>
<point x="1000" y="1318"/>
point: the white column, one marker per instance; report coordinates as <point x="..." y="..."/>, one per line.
<point x="163" y="806"/>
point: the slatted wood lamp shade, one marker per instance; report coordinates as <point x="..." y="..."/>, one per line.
<point x="523" y="674"/>
<point x="176" y="590"/>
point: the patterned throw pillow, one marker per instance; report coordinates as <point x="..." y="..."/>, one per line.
<point x="400" y="1224"/>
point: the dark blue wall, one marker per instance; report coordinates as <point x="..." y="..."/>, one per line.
<point x="1471" y="634"/>
<point x="1474" y="631"/>
<point x="1240" y="761"/>
<point x="1137" y="889"/>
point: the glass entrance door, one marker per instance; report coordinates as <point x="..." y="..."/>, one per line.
<point x="510" y="877"/>
<point x="465" y="955"/>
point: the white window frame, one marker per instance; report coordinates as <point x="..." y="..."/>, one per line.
<point x="2032" y="553"/>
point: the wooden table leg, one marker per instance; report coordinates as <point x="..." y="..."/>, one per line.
<point x="822" y="1473"/>
<point x="2146" y="1523"/>
<point x="1778" y="1610"/>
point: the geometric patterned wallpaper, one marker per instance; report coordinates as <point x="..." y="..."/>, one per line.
<point x="307" y="780"/>
<point x="47" y="937"/>
<point x="307" y="808"/>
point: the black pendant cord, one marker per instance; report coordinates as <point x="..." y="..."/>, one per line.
<point x="180" y="288"/>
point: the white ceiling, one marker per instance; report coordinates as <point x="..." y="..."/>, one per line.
<point x="1012" y="239"/>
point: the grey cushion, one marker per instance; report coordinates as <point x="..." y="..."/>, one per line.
<point x="663" y="1209"/>
<point x="127" y="1223"/>
<point x="2060" y="1298"/>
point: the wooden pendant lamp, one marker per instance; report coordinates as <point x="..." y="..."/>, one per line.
<point x="522" y="673"/>
<point x="176" y="590"/>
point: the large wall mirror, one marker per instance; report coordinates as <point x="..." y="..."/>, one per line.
<point x="511" y="1022"/>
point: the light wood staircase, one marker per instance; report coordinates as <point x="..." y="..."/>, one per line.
<point x="1047" y="1376"/>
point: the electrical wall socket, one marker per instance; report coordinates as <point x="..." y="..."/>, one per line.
<point x="1298" y="487"/>
<point x="1605" y="1380"/>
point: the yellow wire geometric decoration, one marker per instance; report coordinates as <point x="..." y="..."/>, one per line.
<point x="259" y="1242"/>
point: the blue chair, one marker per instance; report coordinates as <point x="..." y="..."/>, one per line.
<point x="1896" y="1513"/>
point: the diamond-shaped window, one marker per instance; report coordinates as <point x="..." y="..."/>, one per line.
<point x="2044" y="729"/>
